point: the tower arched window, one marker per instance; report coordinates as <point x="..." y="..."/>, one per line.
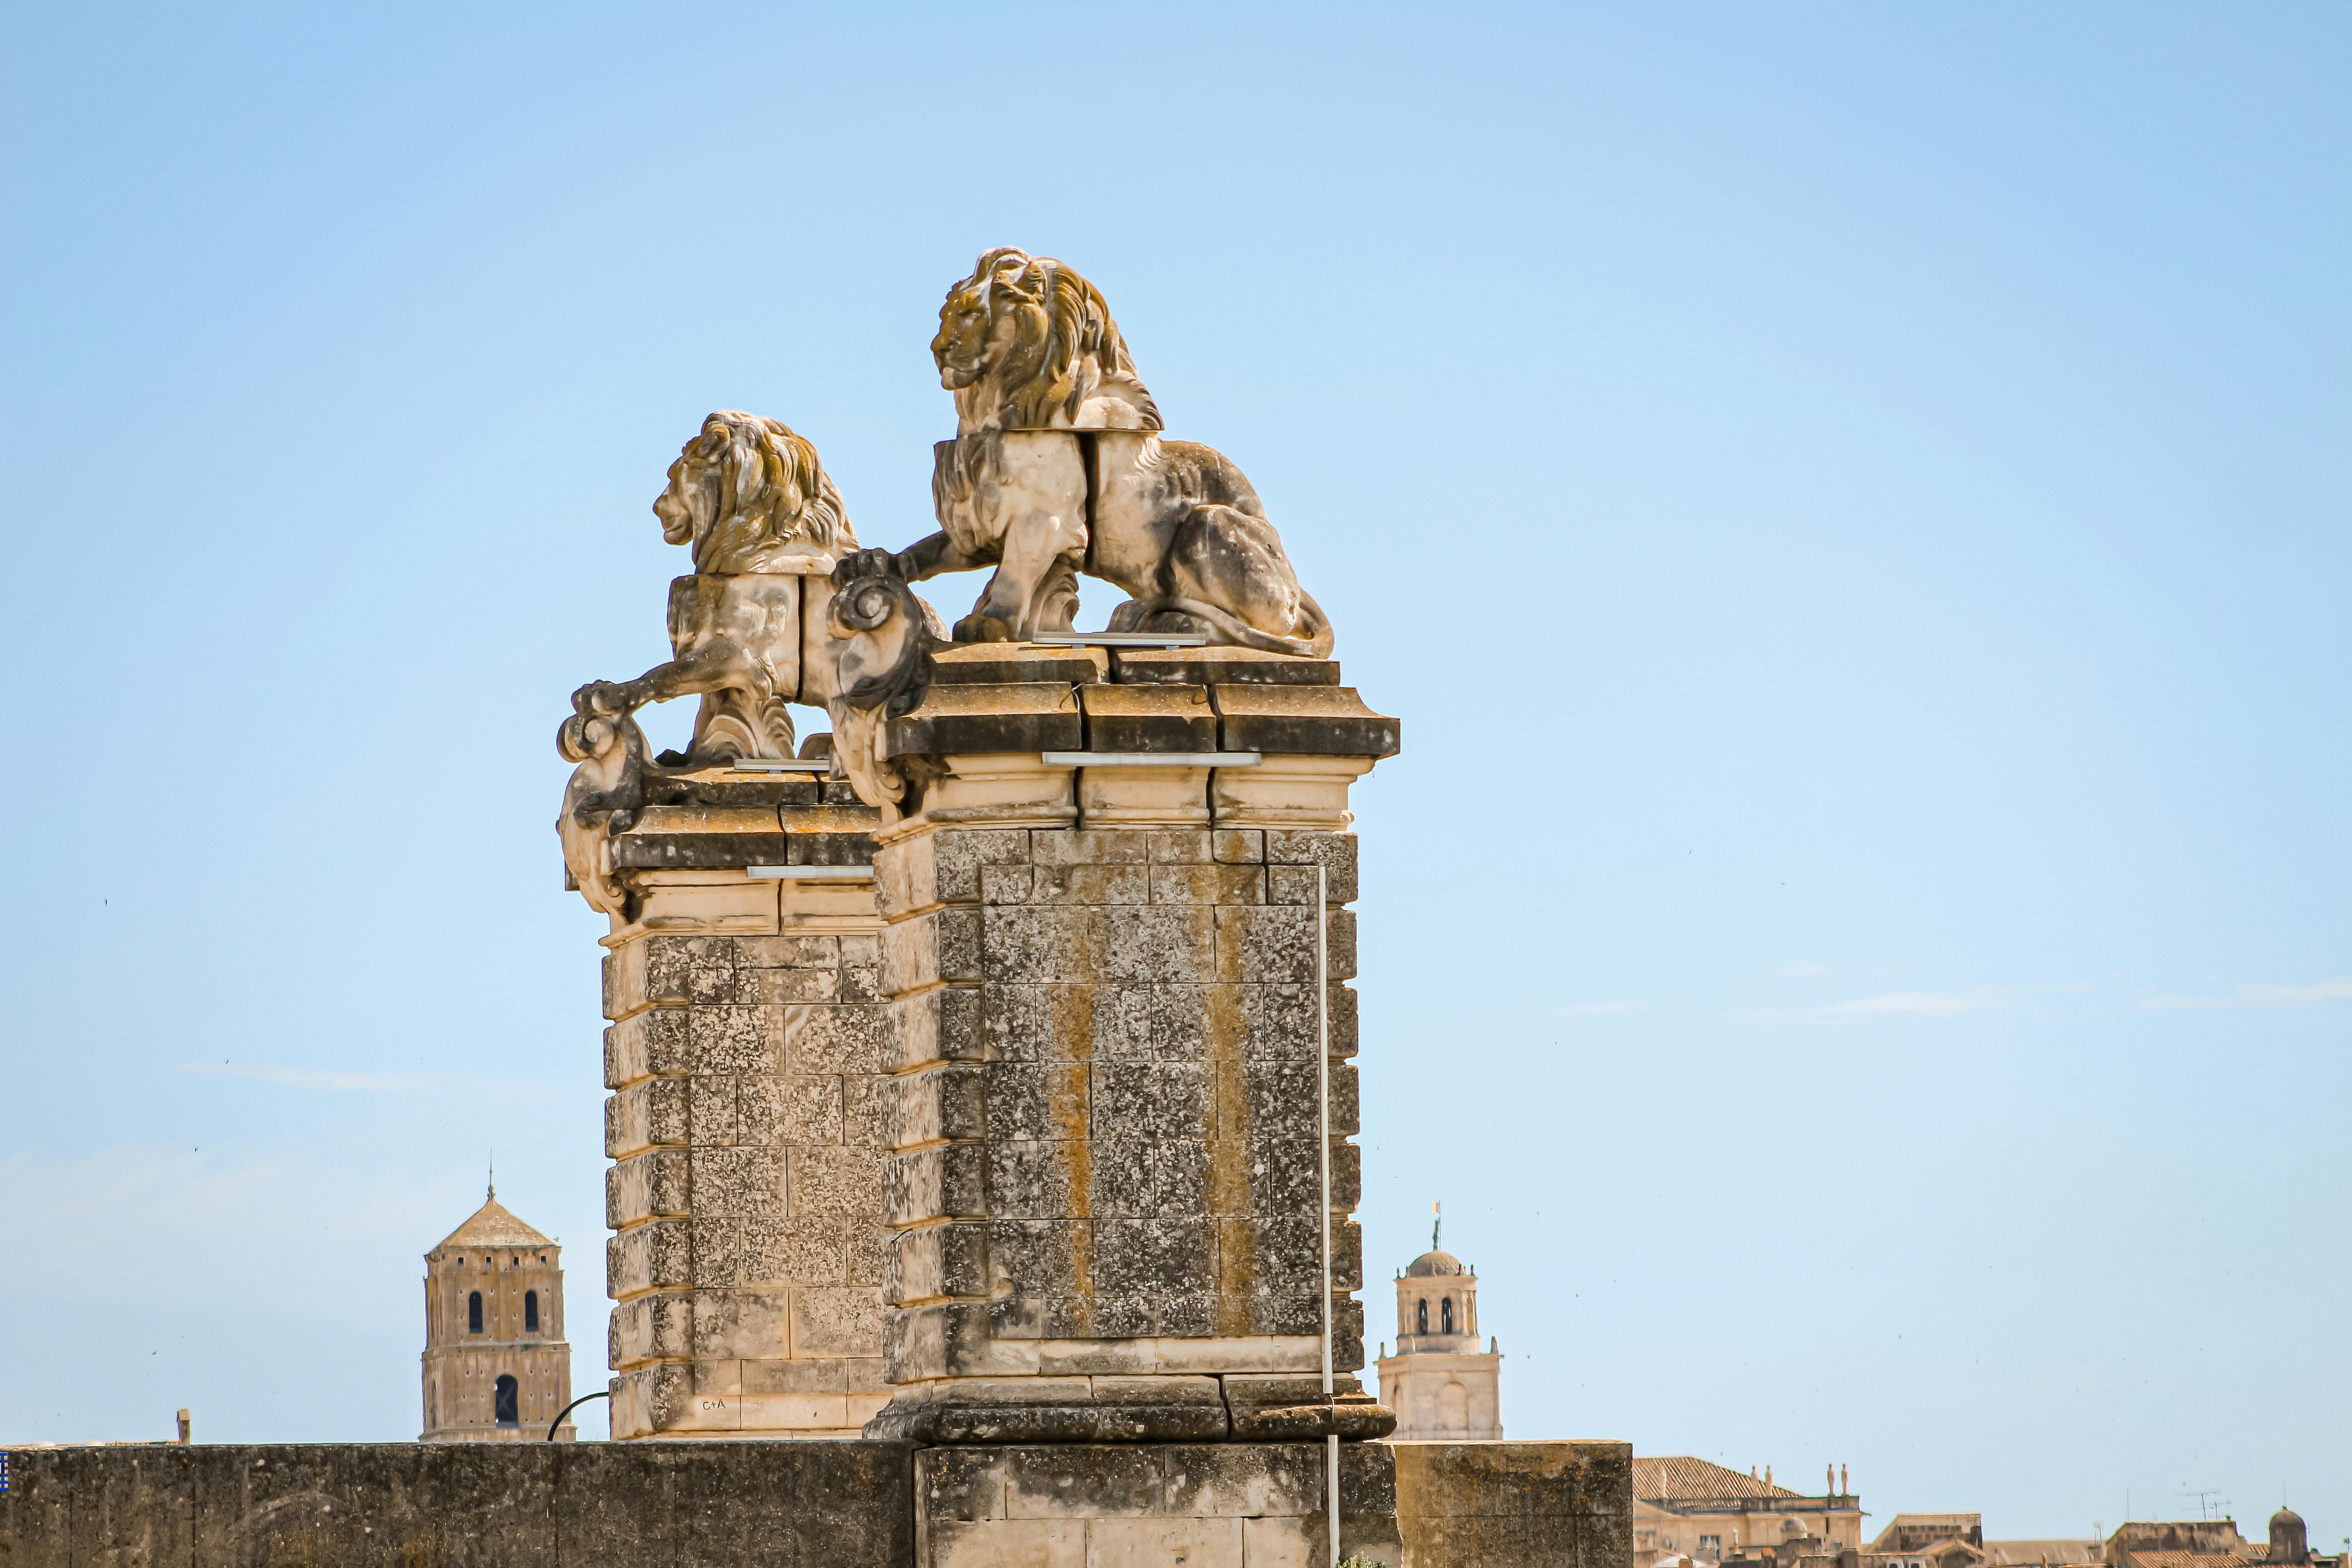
<point x="530" y="1312"/>
<point x="1445" y="1315"/>
<point x="504" y="1401"/>
<point x="1421" y="1317"/>
<point x="474" y="1312"/>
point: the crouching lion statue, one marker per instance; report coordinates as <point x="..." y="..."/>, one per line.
<point x="765" y="524"/>
<point x="1058" y="467"/>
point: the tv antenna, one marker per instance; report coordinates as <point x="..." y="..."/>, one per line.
<point x="2210" y="1503"/>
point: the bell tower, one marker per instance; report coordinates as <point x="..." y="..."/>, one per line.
<point x="1442" y="1386"/>
<point x="497" y="1366"/>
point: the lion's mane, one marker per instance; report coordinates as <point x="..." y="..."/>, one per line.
<point x="772" y="490"/>
<point x="1062" y="351"/>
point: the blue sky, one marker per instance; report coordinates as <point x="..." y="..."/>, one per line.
<point x="1849" y="503"/>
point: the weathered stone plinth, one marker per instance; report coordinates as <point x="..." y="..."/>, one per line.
<point x="1515" y="1505"/>
<point x="1106" y="1010"/>
<point x="750" y="1115"/>
<point x="1205" y="1505"/>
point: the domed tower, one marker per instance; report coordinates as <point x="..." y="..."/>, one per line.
<point x="2289" y="1544"/>
<point x="1443" y="1388"/>
<point x="496" y="1367"/>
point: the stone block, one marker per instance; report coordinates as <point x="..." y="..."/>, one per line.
<point x="1090" y="847"/>
<point x="651" y="1256"/>
<point x="1009" y="1544"/>
<point x="1344" y="1102"/>
<point x="1036" y="1179"/>
<point x="945" y="1338"/>
<point x="1088" y="884"/>
<point x="937" y="1025"/>
<point x="836" y="1181"/>
<point x="1016" y="716"/>
<point x="794" y="1250"/>
<point x="1242" y="1479"/>
<point x="647" y="971"/>
<point x="1155" y="717"/>
<point x="736" y="1183"/>
<point x="647" y="1113"/>
<point x="646" y="1186"/>
<point x="1037" y="1101"/>
<point x="1065" y="1023"/>
<point x="1168" y="943"/>
<point x="1088" y="1483"/>
<point x="834" y="1039"/>
<point x="1344" y="1034"/>
<point x="1340" y="945"/>
<point x="1336" y="852"/>
<point x="837" y="1322"/>
<point x="646" y="1043"/>
<point x="748" y="1325"/>
<point x="1138" y="1178"/>
<point x="946" y="1183"/>
<point x="731" y="1040"/>
<point x="777" y="987"/>
<point x="718" y="1247"/>
<point x="803" y="1108"/>
<point x="1153" y="1258"/>
<point x="1303" y="721"/>
<point x="792" y="951"/>
<point x="869" y="1244"/>
<point x="1220" y="666"/>
<point x="938" y="1103"/>
<point x="652" y="1327"/>
<point x="1269" y="944"/>
<point x="711" y="1118"/>
<point x="1156" y="1101"/>
<point x="868" y="1108"/>
<point x="1041" y="945"/>
<point x="935" y="1261"/>
<point x="1041" y="1258"/>
<point x="927" y="949"/>
<point x="1210" y="884"/>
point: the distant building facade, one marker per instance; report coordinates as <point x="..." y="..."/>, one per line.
<point x="1441" y="1386"/>
<point x="497" y="1366"/>
<point x="1688" y="1506"/>
<point x="2214" y="1543"/>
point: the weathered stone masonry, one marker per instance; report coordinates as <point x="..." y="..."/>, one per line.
<point x="748" y="1125"/>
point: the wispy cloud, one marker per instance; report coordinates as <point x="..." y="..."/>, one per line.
<point x="1911" y="1003"/>
<point x="1595" y="1009"/>
<point x="2338" y="989"/>
<point x="332" y="1080"/>
<point x="1803" y="969"/>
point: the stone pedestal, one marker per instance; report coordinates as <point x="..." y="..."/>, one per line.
<point x="750" y="1115"/>
<point x="1107" y="1013"/>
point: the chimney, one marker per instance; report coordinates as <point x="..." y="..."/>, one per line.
<point x="184" y="1438"/>
<point x="1767" y="1474"/>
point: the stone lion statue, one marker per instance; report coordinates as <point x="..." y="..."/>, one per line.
<point x="1025" y="343"/>
<point x="1058" y="467"/>
<point x="765" y="525"/>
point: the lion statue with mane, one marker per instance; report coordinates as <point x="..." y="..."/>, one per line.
<point x="1058" y="467"/>
<point x="765" y="524"/>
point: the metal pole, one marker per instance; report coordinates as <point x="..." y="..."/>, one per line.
<point x="1323" y="1149"/>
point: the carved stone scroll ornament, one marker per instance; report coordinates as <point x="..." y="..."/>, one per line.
<point x="606" y="792"/>
<point x="765" y="524"/>
<point x="1058" y="467"/>
<point x="884" y="634"/>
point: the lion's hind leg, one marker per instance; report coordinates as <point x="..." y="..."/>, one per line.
<point x="1231" y="561"/>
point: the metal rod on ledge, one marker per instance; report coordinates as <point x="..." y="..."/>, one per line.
<point x="1121" y="639"/>
<point x="1151" y="759"/>
<point x="813" y="873"/>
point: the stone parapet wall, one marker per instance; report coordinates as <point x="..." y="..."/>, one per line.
<point x="815" y="1504"/>
<point x="453" y="1505"/>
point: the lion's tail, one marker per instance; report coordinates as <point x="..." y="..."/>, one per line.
<point x="1316" y="644"/>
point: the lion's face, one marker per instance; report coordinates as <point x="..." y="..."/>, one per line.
<point x="696" y="482"/>
<point x="967" y="325"/>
